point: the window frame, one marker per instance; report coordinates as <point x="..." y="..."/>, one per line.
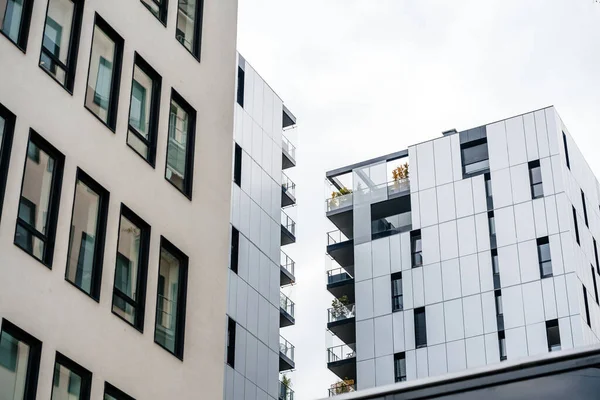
<point x="119" y="42"/>
<point x="53" y="200"/>
<point x="532" y="185"/>
<point x="199" y="16"/>
<point x="5" y="150"/>
<point x="587" y="306"/>
<point x="576" y="225"/>
<point x="188" y="181"/>
<point x="595" y="285"/>
<point x="163" y="10"/>
<point x="33" y="360"/>
<point x="138" y="304"/>
<point x="595" y="254"/>
<point x="70" y="67"/>
<point x="470" y="145"/>
<point x="584" y="206"/>
<point x="414" y="237"/>
<point x="420" y="311"/>
<point x="543" y="241"/>
<point x="397" y="276"/>
<point x="237" y="165"/>
<point x="235" y="249"/>
<point x="181" y="298"/>
<point x="552" y="324"/>
<point x="230" y="349"/>
<point x="566" y="148"/>
<point x="24" y="26"/>
<point x="502" y="345"/>
<point x="241" y="82"/>
<point x="398" y="357"/>
<point x="147" y="69"/>
<point x="99" y="247"/>
<point x="85" y="374"/>
<point x="118" y="394"/>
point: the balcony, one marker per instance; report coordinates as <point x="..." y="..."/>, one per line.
<point x="340" y="248"/>
<point x="288" y="191"/>
<point x="286" y="311"/>
<point x="341" y="321"/>
<point x="288" y="229"/>
<point x="288" y="153"/>
<point x="341" y="360"/>
<point x="341" y="387"/>
<point x="285" y="392"/>
<point x="286" y="355"/>
<point x="340" y="283"/>
<point x="287" y="267"/>
<point x="338" y="208"/>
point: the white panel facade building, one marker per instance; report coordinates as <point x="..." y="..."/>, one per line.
<point x="486" y="251"/>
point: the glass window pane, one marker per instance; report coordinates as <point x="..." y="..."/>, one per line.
<point x="475" y="154"/>
<point x="537" y="190"/>
<point x="138" y="145"/>
<point x="186" y="20"/>
<point x="67" y="384"/>
<point x="177" y="147"/>
<point x="11" y="12"/>
<point x="14" y="360"/>
<point x="98" y="96"/>
<point x="57" y="33"/>
<point x="544" y="251"/>
<point x="80" y="263"/>
<point x="141" y="95"/>
<point x="154" y="6"/>
<point x="166" y="307"/>
<point x="108" y="397"/>
<point x="2" y="122"/>
<point x="128" y="258"/>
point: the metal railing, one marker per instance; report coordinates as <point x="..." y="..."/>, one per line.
<point x="288" y="186"/>
<point x="285" y="392"/>
<point x="286" y="304"/>
<point x="288" y="223"/>
<point x="287" y="263"/>
<point x="336" y="236"/>
<point x="288" y="147"/>
<point x="338" y="275"/>
<point x="341" y="313"/>
<point x="286" y="348"/>
<point x="341" y="388"/>
<point x="342" y="352"/>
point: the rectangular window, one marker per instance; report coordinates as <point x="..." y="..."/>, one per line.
<point x="235" y="249"/>
<point x="237" y="166"/>
<point x="112" y="393"/>
<point x="15" y="16"/>
<point x="399" y="367"/>
<point x="544" y="259"/>
<point x="420" y="327"/>
<point x="535" y="179"/>
<point x="566" y="151"/>
<point x="595" y="286"/>
<point x="596" y="255"/>
<point x="587" y="307"/>
<point x="416" y="246"/>
<point x="144" y="109"/>
<point x="40" y="197"/>
<point x="241" y="77"/>
<point x="492" y="228"/>
<point x="131" y="270"/>
<point x="488" y="191"/>
<point x="7" y="123"/>
<point x="19" y="363"/>
<point x="158" y="8"/>
<point x="575" y="225"/>
<point x="104" y="73"/>
<point x="499" y="309"/>
<point x="71" y="381"/>
<point x="231" y="327"/>
<point x="60" y="43"/>
<point x="397" y="299"/>
<point x="553" y="335"/>
<point x="495" y="269"/>
<point x="189" y="25"/>
<point x="585" y="215"/>
<point x="180" y="148"/>
<point x="86" y="240"/>
<point x="475" y="158"/>
<point x="171" y="298"/>
<point x="502" y="345"/>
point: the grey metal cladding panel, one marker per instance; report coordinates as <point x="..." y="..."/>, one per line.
<point x="473" y="134"/>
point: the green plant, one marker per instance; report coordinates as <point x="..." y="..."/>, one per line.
<point x="342" y="192"/>
<point x="400" y="172"/>
<point x="286" y="381"/>
<point x="339" y="306"/>
<point x="343" y="386"/>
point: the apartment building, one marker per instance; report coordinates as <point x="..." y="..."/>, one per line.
<point x="262" y="222"/>
<point x="467" y="250"/>
<point x="116" y="123"/>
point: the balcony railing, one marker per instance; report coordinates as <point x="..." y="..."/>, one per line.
<point x="285" y="392"/>
<point x="288" y="147"/>
<point x="339" y="201"/>
<point x="335" y="314"/>
<point x="287" y="263"/>
<point x="286" y="348"/>
<point x="341" y="388"/>
<point x="338" y="275"/>
<point x="288" y="186"/>
<point x="288" y="223"/>
<point x="342" y="352"/>
<point x="336" y="236"/>
<point x="286" y="304"/>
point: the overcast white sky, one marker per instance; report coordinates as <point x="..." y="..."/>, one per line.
<point x="369" y="77"/>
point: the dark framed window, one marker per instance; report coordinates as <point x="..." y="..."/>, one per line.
<point x="104" y="73"/>
<point x="475" y="158"/>
<point x="416" y="248"/>
<point x="495" y="269"/>
<point x="231" y="328"/>
<point x="399" y="367"/>
<point x="499" y="309"/>
<point x="576" y="226"/>
<point x="397" y="299"/>
<point x="19" y="362"/>
<point x="596" y="255"/>
<point x="189" y="25"/>
<point x="587" y="306"/>
<point x="144" y="109"/>
<point x="488" y="191"/>
<point x="502" y="345"/>
<point x="131" y="270"/>
<point x="566" y="151"/>
<point x="237" y="165"/>
<point x="420" y="327"/>
<point x="15" y="16"/>
<point x="595" y="285"/>
<point x="553" y="335"/>
<point x="180" y="146"/>
<point x="40" y="198"/>
<point x="71" y="381"/>
<point x="112" y="393"/>
<point x="158" y="8"/>
<point x="169" y="330"/>
<point x="583" y="204"/>
<point x="535" y="179"/>
<point x="235" y="249"/>
<point x="241" y="78"/>
<point x="7" y="126"/>
<point x="492" y="228"/>
<point x="88" y="231"/>
<point x="544" y="258"/>
<point x="60" y="43"/>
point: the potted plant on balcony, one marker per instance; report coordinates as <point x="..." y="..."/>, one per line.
<point x="399" y="174"/>
<point x="339" y="308"/>
<point x="343" y="386"/>
<point x="339" y="197"/>
<point x="286" y="385"/>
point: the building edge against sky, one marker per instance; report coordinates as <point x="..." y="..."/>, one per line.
<point x="115" y="159"/>
<point x="485" y="251"/>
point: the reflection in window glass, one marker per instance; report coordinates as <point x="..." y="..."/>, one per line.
<point x="2" y="123"/>
<point x="186" y="21"/>
<point x="56" y="43"/>
<point x="140" y="135"/>
<point x="397" y="297"/>
<point x="544" y="257"/>
<point x="179" y="147"/>
<point x="67" y="384"/>
<point x="475" y="157"/>
<point x="399" y="367"/>
<point x="14" y="361"/>
<point x="11" y="13"/>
